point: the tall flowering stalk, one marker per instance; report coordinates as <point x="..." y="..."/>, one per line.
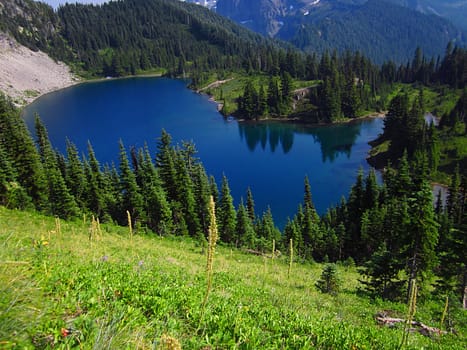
<point x="412" y="307"/>
<point x="290" y="257"/>
<point x="212" y="240"/>
<point x="130" y="227"/>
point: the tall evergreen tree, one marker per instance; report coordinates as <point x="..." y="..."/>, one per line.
<point x="244" y="228"/>
<point x="75" y="177"/>
<point x="61" y="202"/>
<point x="96" y="196"/>
<point x="23" y="155"/>
<point x="250" y="205"/>
<point x="132" y="200"/>
<point x="226" y="214"/>
<point x="422" y="235"/>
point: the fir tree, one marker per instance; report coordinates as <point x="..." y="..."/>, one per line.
<point x="244" y="228"/>
<point x="250" y="205"/>
<point x="75" y="177"/>
<point x="22" y="153"/>
<point x="62" y="203"/>
<point x="226" y="214"/>
<point x="132" y="200"/>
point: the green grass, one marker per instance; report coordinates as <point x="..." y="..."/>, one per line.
<point x="229" y="92"/>
<point x="117" y="293"/>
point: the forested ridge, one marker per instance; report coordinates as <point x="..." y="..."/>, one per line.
<point x="379" y="29"/>
<point x="129" y="37"/>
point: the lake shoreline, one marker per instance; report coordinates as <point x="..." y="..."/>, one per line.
<point x="297" y="121"/>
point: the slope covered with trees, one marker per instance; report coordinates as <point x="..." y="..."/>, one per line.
<point x="121" y="38"/>
<point x="380" y="30"/>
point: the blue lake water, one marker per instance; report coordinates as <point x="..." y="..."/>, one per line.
<point x="272" y="159"/>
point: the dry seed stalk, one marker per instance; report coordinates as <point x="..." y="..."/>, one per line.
<point x="129" y="224"/>
<point x="443" y="316"/>
<point x="212" y="240"/>
<point x="58" y="227"/>
<point x="411" y="311"/>
<point x="98" y="225"/>
<point x="290" y="257"/>
<point x="169" y="343"/>
<point x="93" y="229"/>
<point x="273" y="249"/>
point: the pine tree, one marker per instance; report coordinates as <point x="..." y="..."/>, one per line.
<point x="286" y="91"/>
<point x="202" y="194"/>
<point x="244" y="228"/>
<point x="267" y="231"/>
<point x="329" y="281"/>
<point x="158" y="213"/>
<point x="250" y="205"/>
<point x="381" y="274"/>
<point x="132" y="200"/>
<point x="422" y="235"/>
<point x="213" y="188"/>
<point x="62" y="203"/>
<point x="95" y="194"/>
<point x="12" y="194"/>
<point x="75" y="177"/>
<point x="165" y="162"/>
<point x="185" y="193"/>
<point x="292" y="232"/>
<point x="273" y="96"/>
<point x="19" y="145"/>
<point x="226" y="214"/>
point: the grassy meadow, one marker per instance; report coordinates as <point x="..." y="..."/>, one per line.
<point x="82" y="285"/>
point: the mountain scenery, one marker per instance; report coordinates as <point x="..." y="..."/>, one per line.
<point x="454" y="10"/>
<point x="139" y="208"/>
<point x="378" y="29"/>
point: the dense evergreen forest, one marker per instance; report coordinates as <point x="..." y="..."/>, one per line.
<point x="346" y="85"/>
<point x="128" y="37"/>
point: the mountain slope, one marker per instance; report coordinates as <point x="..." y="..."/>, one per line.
<point x="26" y="74"/>
<point x="126" y="37"/>
<point x="136" y="35"/>
<point x="454" y="10"/>
<point x="379" y="29"/>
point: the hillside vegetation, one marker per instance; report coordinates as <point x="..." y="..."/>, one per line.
<point x="380" y="30"/>
<point x="80" y="284"/>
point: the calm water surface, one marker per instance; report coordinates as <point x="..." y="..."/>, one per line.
<point x="272" y="159"/>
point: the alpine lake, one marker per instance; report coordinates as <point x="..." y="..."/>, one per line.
<point x="270" y="158"/>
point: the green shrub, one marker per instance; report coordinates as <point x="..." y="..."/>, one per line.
<point x="329" y="281"/>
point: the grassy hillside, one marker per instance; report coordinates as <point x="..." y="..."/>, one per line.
<point x="69" y="284"/>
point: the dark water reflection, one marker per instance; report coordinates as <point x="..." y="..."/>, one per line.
<point x="333" y="140"/>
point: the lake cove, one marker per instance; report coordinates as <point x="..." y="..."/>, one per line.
<point x="270" y="158"/>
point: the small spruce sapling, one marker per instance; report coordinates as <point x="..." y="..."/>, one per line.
<point x="329" y="281"/>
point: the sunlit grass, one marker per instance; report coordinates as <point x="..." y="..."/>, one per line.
<point x="113" y="292"/>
